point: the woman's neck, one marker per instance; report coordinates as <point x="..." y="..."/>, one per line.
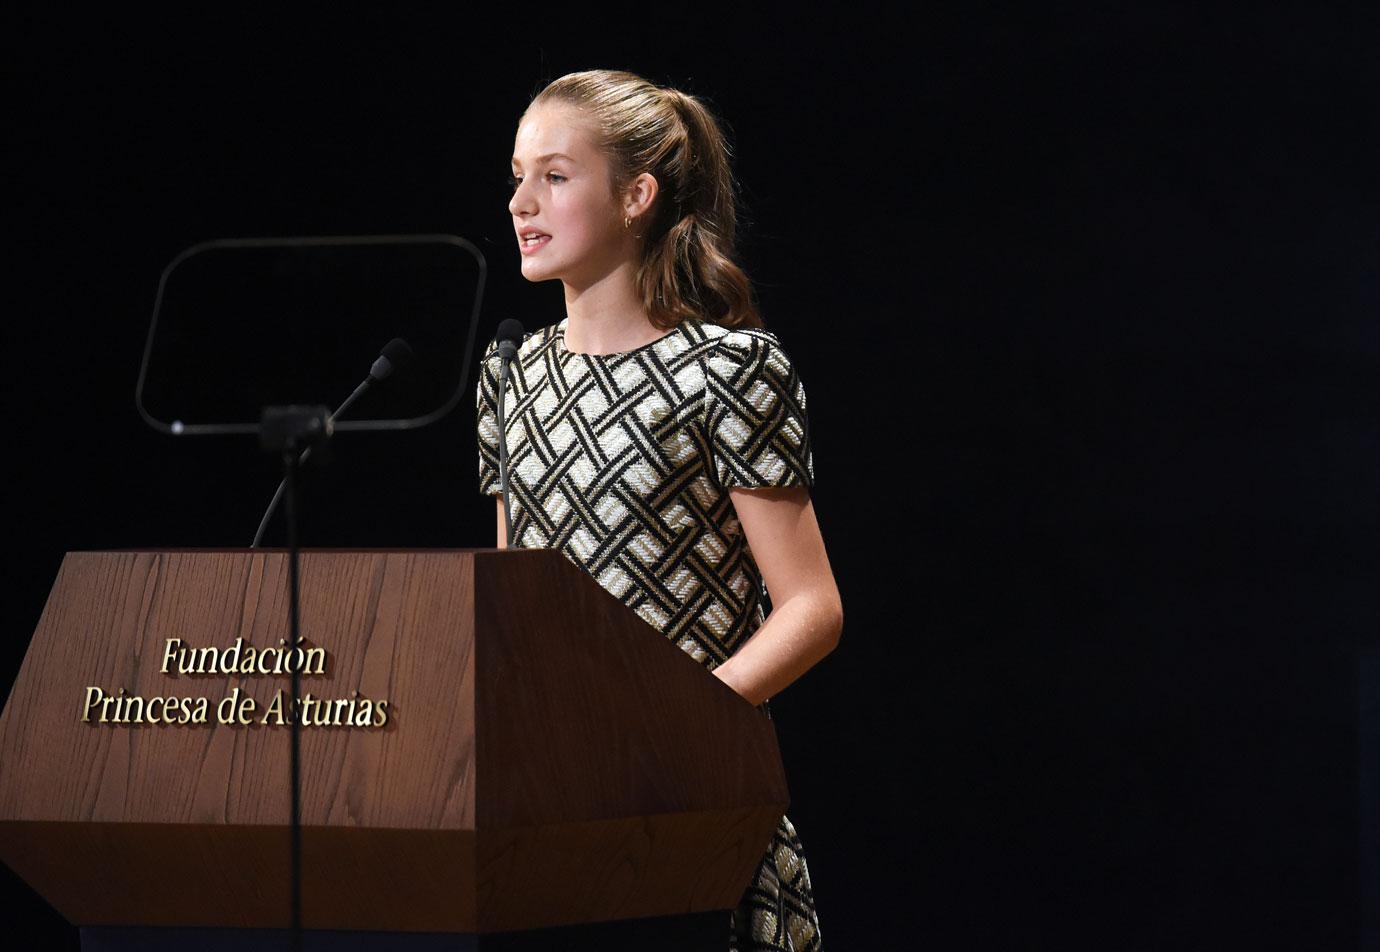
<point x="607" y="317"/>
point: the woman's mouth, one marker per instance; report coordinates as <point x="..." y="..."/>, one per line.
<point x="530" y="243"/>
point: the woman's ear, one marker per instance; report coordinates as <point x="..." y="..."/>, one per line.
<point x="638" y="198"/>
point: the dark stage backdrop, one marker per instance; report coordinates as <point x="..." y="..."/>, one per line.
<point x="1085" y="304"/>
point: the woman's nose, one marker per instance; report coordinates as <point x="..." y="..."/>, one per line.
<point x="521" y="202"/>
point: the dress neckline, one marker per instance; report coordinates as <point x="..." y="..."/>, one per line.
<point x="560" y="343"/>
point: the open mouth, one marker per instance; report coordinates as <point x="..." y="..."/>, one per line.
<point x="532" y="242"/>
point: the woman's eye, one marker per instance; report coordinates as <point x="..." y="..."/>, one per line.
<point x="555" y="176"/>
<point x="514" y="181"/>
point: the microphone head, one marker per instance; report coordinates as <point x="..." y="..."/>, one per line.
<point x="397" y="355"/>
<point x="509" y="337"/>
<point x="510" y="329"/>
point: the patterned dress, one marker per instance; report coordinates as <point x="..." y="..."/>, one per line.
<point x="624" y="462"/>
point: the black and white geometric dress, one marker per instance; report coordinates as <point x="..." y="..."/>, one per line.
<point x="624" y="463"/>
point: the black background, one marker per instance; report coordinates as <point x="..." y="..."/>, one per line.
<point x="1085" y="303"/>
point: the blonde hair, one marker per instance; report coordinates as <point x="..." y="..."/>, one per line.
<point x="687" y="268"/>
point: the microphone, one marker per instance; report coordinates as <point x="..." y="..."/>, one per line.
<point x="509" y="339"/>
<point x="396" y="356"/>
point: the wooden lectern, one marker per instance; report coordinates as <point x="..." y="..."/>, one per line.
<point x="492" y="745"/>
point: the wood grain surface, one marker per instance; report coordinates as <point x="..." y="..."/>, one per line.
<point x="549" y="758"/>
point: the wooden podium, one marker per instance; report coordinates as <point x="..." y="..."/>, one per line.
<point x="492" y="745"/>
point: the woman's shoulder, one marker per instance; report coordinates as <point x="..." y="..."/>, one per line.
<point x="729" y="346"/>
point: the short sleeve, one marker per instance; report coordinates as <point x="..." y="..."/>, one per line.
<point x="754" y="413"/>
<point x="486" y="422"/>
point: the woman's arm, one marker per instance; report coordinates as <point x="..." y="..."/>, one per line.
<point x="807" y="615"/>
<point x="502" y="524"/>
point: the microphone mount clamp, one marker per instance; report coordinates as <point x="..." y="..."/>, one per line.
<point x="292" y="428"/>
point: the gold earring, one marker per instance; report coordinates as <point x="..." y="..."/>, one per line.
<point x="627" y="222"/>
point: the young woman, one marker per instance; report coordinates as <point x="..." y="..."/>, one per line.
<point x="657" y="435"/>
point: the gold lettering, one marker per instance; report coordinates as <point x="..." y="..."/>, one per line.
<point x="275" y="709"/>
<point x="93" y="697"/>
<point x="322" y="717"/>
<point x="230" y="660"/>
<point x="225" y="710"/>
<point x="170" y="652"/>
<point x="207" y="660"/>
<point x="316" y="661"/>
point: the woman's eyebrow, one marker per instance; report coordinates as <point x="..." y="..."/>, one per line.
<point x="547" y="158"/>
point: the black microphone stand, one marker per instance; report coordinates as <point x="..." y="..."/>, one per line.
<point x="509" y="339"/>
<point x="503" y="454"/>
<point x="291" y="431"/>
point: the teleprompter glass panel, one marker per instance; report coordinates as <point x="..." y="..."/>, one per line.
<point x="243" y="324"/>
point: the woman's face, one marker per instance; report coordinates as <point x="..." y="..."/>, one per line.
<point x="568" y="223"/>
